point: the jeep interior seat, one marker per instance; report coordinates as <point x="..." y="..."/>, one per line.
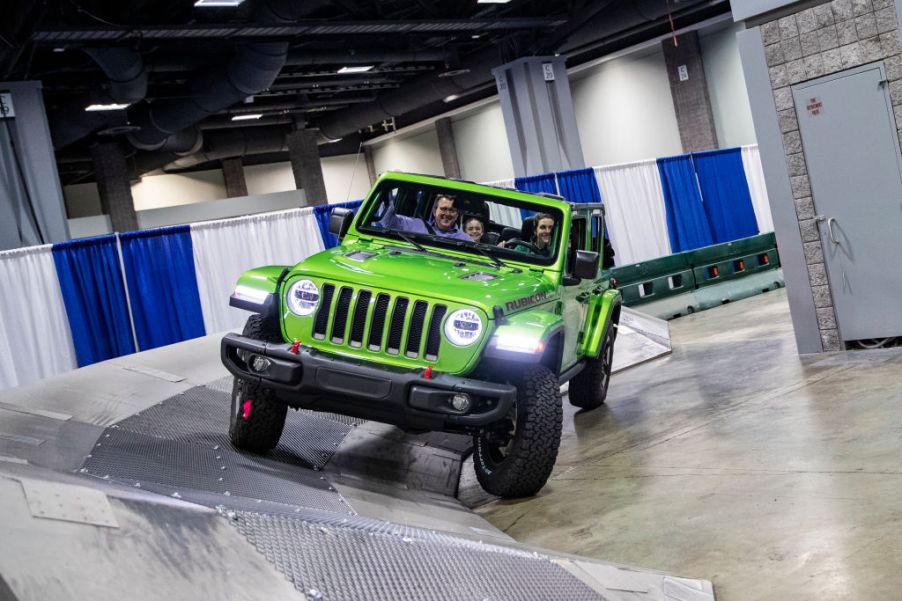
<point x="528" y="229"/>
<point x="490" y="238"/>
<point x="509" y="232"/>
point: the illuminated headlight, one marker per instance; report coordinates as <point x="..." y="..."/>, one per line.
<point x="463" y="327"/>
<point x="518" y="343"/>
<point x="303" y="296"/>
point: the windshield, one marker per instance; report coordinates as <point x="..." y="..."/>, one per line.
<point x="473" y="222"/>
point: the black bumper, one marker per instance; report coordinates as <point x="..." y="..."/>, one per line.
<point x="315" y="380"/>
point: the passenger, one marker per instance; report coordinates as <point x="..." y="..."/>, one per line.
<point x="474" y="228"/>
<point x="442" y="222"/>
<point x="540" y="243"/>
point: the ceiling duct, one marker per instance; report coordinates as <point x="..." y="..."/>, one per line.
<point x="253" y="67"/>
<point x="127" y="85"/>
<point x="596" y="25"/>
<point x="234" y="143"/>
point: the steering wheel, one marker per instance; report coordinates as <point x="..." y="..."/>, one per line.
<point x="519" y="242"/>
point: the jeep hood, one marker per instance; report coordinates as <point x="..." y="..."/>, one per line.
<point x="473" y="281"/>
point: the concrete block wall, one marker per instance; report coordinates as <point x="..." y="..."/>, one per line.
<point x="810" y="43"/>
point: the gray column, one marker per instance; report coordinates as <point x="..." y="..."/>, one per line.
<point x="233" y="174"/>
<point x="538" y="115"/>
<point x="370" y="163"/>
<point x="111" y="172"/>
<point x="447" y="148"/>
<point x="303" y="152"/>
<point x="32" y="210"/>
<point x="689" y="89"/>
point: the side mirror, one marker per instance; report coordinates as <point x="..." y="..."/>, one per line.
<point x="586" y="265"/>
<point x="340" y="221"/>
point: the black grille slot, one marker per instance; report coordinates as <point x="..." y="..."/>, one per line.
<point x="397" y="326"/>
<point x="378" y="324"/>
<point x="322" y="316"/>
<point x="340" y="321"/>
<point x="415" y="333"/>
<point x="357" y="326"/>
<point x="434" y="339"/>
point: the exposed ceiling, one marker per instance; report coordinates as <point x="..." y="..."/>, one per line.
<point x="186" y="71"/>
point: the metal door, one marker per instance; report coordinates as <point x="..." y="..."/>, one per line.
<point x="852" y="152"/>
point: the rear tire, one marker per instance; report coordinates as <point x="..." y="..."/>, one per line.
<point x="514" y="458"/>
<point x="259" y="429"/>
<point x="589" y="388"/>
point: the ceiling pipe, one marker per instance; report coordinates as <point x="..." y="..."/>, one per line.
<point x="252" y="69"/>
<point x="234" y="143"/>
<point x="366" y="57"/>
<point x="433" y="88"/>
<point x="127" y="85"/>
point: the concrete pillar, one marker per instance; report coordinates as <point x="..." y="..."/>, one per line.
<point x="689" y="90"/>
<point x="447" y="148"/>
<point x="111" y="172"/>
<point x="233" y="174"/>
<point x="370" y="163"/>
<point x="303" y="152"/>
<point x="538" y="115"/>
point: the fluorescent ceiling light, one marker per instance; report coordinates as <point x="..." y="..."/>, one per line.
<point x="360" y="69"/>
<point x="248" y="117"/>
<point x="450" y="98"/>
<point x="492" y="1"/>
<point x="105" y="107"/>
<point x="214" y="3"/>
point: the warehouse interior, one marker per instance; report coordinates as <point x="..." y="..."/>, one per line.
<point x="747" y="155"/>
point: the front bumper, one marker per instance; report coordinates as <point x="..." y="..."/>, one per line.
<point x="322" y="382"/>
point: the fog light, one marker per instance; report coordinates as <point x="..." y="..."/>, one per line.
<point x="461" y="402"/>
<point x="260" y="364"/>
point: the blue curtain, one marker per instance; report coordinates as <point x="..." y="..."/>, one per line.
<point x="535" y="183"/>
<point x="322" y="213"/>
<point x="162" y="285"/>
<point x="579" y="185"/>
<point x="91" y="283"/>
<point x="687" y="223"/>
<point x="727" y="201"/>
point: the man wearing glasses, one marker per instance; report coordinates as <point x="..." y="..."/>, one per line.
<point x="443" y="221"/>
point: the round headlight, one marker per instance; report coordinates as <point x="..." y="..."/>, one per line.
<point x="303" y="296"/>
<point x="463" y="327"/>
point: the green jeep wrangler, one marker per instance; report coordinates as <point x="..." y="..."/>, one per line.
<point x="425" y="319"/>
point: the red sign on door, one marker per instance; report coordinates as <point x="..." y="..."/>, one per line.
<point x="814" y="106"/>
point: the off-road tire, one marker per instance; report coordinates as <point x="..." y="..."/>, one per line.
<point x="262" y="429"/>
<point x="525" y="467"/>
<point x="589" y="388"/>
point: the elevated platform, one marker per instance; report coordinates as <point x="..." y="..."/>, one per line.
<point x="118" y="481"/>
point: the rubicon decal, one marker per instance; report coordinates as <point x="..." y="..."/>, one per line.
<point x="526" y="301"/>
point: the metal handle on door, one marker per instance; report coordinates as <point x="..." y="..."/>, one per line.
<point x="830" y="223"/>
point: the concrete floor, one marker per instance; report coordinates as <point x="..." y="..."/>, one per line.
<point x="735" y="460"/>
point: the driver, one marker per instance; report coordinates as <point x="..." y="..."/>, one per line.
<point x="442" y="222"/>
<point x="540" y="243"/>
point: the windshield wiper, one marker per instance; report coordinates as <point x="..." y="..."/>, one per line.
<point x="406" y="238"/>
<point x="498" y="262"/>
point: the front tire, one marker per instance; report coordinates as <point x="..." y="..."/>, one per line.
<point x="514" y="458"/>
<point x="257" y="417"/>
<point x="589" y="388"/>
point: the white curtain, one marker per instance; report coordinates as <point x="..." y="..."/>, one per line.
<point x="509" y="216"/>
<point x="35" y="340"/>
<point x="634" y="211"/>
<point x="754" y="174"/>
<point x="225" y="249"/>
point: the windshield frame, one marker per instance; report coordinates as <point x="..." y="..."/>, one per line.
<point x="486" y="193"/>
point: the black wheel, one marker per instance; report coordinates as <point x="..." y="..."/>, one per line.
<point x="590" y="386"/>
<point x="514" y="457"/>
<point x="257" y="417"/>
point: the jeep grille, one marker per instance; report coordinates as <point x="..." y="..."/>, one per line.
<point x="354" y="310"/>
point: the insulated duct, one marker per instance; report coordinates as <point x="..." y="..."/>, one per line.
<point x="232" y="143"/>
<point x="253" y="68"/>
<point x="128" y="84"/>
<point x="427" y="89"/>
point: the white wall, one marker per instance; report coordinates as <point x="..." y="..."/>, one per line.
<point x="159" y="191"/>
<point x="266" y="179"/>
<point x="726" y="86"/>
<point x="481" y="143"/>
<point x="624" y="110"/>
<point x="346" y="177"/>
<point x="414" y="153"/>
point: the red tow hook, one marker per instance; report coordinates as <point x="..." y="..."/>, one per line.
<point x="295" y="347"/>
<point x="428" y="373"/>
<point x="246" y="413"/>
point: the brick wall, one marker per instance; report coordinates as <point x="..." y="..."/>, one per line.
<point x="811" y="43"/>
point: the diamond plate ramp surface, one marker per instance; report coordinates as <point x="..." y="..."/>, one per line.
<point x="341" y="563"/>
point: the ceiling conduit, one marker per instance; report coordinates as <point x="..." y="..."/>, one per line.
<point x="234" y="143"/>
<point x="253" y="68"/>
